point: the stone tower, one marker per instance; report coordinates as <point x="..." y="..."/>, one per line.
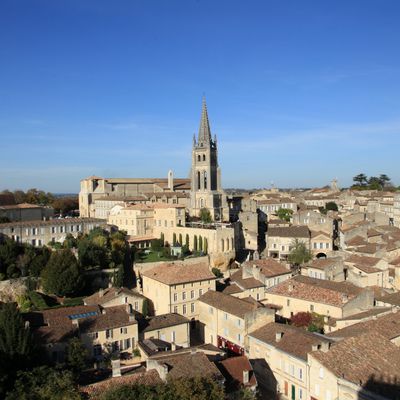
<point x="206" y="190"/>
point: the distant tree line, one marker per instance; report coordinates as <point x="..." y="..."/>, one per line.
<point x="63" y="205"/>
<point x="363" y="182"/>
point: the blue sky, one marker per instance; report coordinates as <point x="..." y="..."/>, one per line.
<point x="298" y="92"/>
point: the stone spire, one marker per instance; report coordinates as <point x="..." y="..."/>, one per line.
<point x="204" y="131"/>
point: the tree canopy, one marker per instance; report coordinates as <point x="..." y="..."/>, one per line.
<point x="299" y="253"/>
<point x="62" y="275"/>
<point x="205" y="216"/>
<point x="284" y="214"/>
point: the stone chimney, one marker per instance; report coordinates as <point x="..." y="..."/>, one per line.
<point x="101" y="292"/>
<point x="325" y="346"/>
<point x="278" y="336"/>
<point x="116" y="367"/>
<point x="290" y="288"/>
<point x="245" y="377"/>
<point x="345" y="298"/>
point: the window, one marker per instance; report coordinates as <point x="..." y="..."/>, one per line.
<point x="192" y="294"/>
<point x="311" y="307"/>
<point x="136" y="305"/>
<point x="225" y="316"/>
<point x="109" y="333"/>
<point x="315" y="245"/>
<point x="288" y="302"/>
<point x="53" y="229"/>
<point x="184" y="309"/>
<point x="321" y="373"/>
<point x="226" y="332"/>
<point x="301" y="374"/>
<point x="239" y="338"/>
<point x="238" y="322"/>
<point x="175" y="296"/>
<point x="300" y="393"/>
<point x="183" y="295"/>
<point x="176" y="309"/>
<point x="124" y="330"/>
<point x="192" y="307"/>
<point x="292" y="369"/>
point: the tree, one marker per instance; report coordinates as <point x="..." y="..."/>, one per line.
<point x="62" y="275"/>
<point x="180" y="239"/>
<point x="4" y="220"/>
<point x="174" y="239"/>
<point x="77" y="356"/>
<point x="374" y="183"/>
<point x="92" y="254"/>
<point x="70" y="242"/>
<point x="195" y="243"/>
<point x="384" y="180"/>
<point x="284" y="214"/>
<point x="162" y="238"/>
<point x="332" y="206"/>
<point x="45" y="383"/>
<point x="200" y="243"/>
<point x="217" y="272"/>
<point x="17" y="348"/>
<point x="65" y="205"/>
<point x="205" y="216"/>
<point x="299" y="254"/>
<point x="145" y="308"/>
<point x="360" y="179"/>
<point x="119" y="276"/>
<point x="157" y="244"/>
<point x="187" y="240"/>
<point x="205" y="249"/>
<point x="301" y="319"/>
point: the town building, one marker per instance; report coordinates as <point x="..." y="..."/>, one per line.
<point x="227" y="320"/>
<point x="175" y="287"/>
<point x="39" y="233"/>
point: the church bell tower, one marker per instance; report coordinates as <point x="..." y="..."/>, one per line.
<point x="206" y="190"/>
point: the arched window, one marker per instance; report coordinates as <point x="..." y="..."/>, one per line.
<point x="227" y="244"/>
<point x="204" y="157"/>
<point x="201" y="203"/>
<point x="198" y="180"/>
<point x="199" y="158"/>
<point x="205" y="179"/>
<point x="222" y="245"/>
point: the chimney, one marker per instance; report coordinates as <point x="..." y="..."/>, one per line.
<point x="325" y="346"/>
<point x="278" y="336"/>
<point x="101" y="292"/>
<point x="291" y="287"/>
<point x="345" y="298"/>
<point x="75" y="323"/>
<point x="116" y="367"/>
<point x="245" y="377"/>
<point x="314" y="347"/>
<point x="193" y="350"/>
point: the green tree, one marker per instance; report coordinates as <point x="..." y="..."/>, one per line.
<point x="162" y="238"/>
<point x="284" y="214"/>
<point x="76" y="356"/>
<point x="145" y="308"/>
<point x="299" y="253"/>
<point x="217" y="272"/>
<point x="332" y="206"/>
<point x="17" y="348"/>
<point x="384" y="180"/>
<point x="360" y="179"/>
<point x="180" y="239"/>
<point x="92" y="254"/>
<point x="119" y="276"/>
<point x="62" y="275"/>
<point x="374" y="183"/>
<point x="174" y="239"/>
<point x="70" y="242"/>
<point x="44" y="383"/>
<point x="205" y="246"/>
<point x="157" y="245"/>
<point x="200" y="243"/>
<point x="65" y="205"/>
<point x="205" y="216"/>
<point x="4" y="220"/>
<point x="187" y="240"/>
<point x="195" y="243"/>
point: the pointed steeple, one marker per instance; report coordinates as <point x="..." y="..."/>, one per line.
<point x="204" y="131"/>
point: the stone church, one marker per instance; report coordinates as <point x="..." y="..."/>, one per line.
<point x="98" y="195"/>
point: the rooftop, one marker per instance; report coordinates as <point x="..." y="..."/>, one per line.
<point x="299" y="231"/>
<point x="177" y="273"/>
<point x="231" y="305"/>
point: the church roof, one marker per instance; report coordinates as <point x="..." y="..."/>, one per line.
<point x="204" y="130"/>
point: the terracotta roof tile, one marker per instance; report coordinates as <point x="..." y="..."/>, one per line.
<point x="176" y="273"/>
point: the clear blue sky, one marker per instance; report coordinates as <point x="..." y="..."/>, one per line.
<point x="298" y="92"/>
